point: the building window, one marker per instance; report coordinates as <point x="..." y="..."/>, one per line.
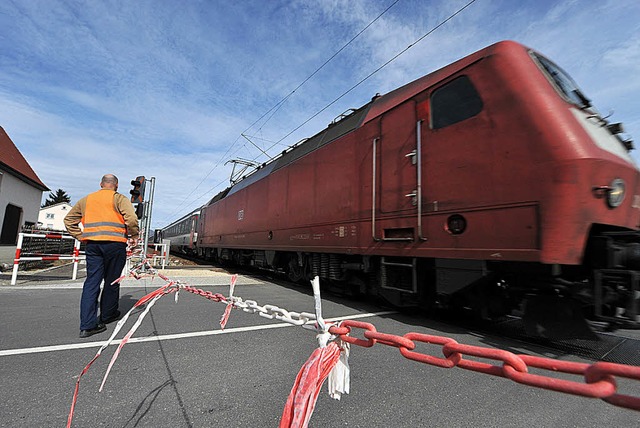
<point x="454" y="102"/>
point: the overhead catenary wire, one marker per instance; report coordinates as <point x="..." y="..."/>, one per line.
<point x="392" y="59"/>
<point x="279" y="104"/>
<point x="373" y="72"/>
<point x="273" y="110"/>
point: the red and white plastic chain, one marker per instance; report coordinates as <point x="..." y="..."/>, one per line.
<point x="599" y="377"/>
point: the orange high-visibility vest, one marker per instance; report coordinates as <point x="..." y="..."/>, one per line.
<point x="101" y="220"/>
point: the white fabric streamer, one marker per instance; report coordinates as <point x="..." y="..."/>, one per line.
<point x="339" y="378"/>
<point x="128" y="335"/>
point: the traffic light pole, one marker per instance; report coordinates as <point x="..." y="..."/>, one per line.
<point x="146" y="219"/>
<point x="143" y="209"/>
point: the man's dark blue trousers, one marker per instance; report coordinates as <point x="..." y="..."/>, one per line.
<point x="105" y="261"/>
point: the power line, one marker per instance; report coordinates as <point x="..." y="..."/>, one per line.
<point x="450" y="17"/>
<point x="277" y="106"/>
<point x="374" y="72"/>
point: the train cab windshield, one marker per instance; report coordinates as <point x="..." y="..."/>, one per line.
<point x="569" y="90"/>
<point x="562" y="81"/>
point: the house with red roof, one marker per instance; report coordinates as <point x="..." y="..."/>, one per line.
<point x="20" y="191"/>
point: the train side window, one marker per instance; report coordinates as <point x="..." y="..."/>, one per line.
<point x="454" y="102"/>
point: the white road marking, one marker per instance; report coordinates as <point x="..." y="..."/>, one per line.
<point x="127" y="283"/>
<point x="53" y="348"/>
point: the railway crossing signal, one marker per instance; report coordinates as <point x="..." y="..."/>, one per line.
<point x="143" y="209"/>
<point x="137" y="193"/>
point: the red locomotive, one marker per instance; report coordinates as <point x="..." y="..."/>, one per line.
<point x="491" y="184"/>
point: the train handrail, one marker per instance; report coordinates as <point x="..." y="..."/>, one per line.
<point x="419" y="178"/>
<point x="373" y="193"/>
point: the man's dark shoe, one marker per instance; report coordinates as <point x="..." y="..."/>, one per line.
<point x="97" y="329"/>
<point x="112" y="318"/>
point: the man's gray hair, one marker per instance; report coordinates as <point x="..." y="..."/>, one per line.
<point x="109" y="178"/>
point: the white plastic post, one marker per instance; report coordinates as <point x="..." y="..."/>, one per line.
<point x="166" y="249"/>
<point x="76" y="254"/>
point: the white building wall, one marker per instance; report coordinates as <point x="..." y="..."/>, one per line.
<point x="16" y="192"/>
<point x="52" y="217"/>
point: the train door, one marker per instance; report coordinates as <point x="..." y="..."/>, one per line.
<point x="396" y="198"/>
<point x="193" y="233"/>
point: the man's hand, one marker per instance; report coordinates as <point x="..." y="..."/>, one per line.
<point x="132" y="242"/>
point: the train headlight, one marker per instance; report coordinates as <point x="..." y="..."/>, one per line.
<point x="615" y="193"/>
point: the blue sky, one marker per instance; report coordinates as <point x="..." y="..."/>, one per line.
<point x="165" y="88"/>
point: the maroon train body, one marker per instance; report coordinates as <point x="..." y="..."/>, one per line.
<point x="488" y="185"/>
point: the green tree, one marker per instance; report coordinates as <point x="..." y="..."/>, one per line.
<point x="56" y="197"/>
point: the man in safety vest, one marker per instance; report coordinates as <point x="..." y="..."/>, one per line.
<point x="109" y="222"/>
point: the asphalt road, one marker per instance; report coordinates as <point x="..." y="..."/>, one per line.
<point x="242" y="377"/>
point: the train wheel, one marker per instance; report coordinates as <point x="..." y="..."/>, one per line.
<point x="295" y="272"/>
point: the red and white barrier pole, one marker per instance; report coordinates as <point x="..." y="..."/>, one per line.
<point x="45" y="257"/>
<point x="16" y="260"/>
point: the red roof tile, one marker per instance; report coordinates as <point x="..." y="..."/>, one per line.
<point x="12" y="159"/>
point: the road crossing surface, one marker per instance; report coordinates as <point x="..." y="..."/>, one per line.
<point x="183" y="371"/>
